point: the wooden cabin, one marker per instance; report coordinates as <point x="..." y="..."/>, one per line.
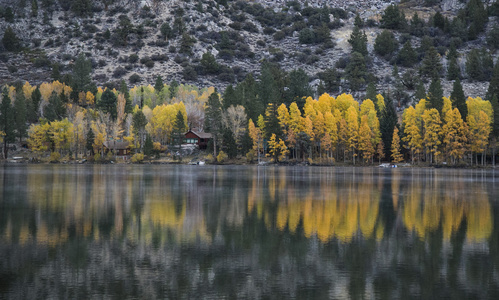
<point x="199" y="138"/>
<point x="117" y="147"/>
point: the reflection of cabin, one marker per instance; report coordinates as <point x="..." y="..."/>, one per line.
<point x="117" y="147"/>
<point x="198" y="138"/>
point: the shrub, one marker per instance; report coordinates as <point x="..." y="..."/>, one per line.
<point x="133" y="58"/>
<point x="134" y="78"/>
<point x="137" y="158"/>
<point x="250" y="156"/>
<point x="12" y="69"/>
<point x="221" y="157"/>
<point x="149" y="64"/>
<point x="55" y="157"/>
<point x="209" y="158"/>
<point x="119" y="72"/>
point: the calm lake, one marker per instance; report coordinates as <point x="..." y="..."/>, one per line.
<point x="189" y="232"/>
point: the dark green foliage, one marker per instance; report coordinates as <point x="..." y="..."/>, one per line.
<point x="331" y="79"/>
<point x="107" y="103"/>
<point x="476" y="16"/>
<point x="371" y="92"/>
<point x="173" y="88"/>
<point x="82" y="8"/>
<point x="189" y="73"/>
<point x="439" y="20"/>
<point x="178" y="129"/>
<point x="9" y="15"/>
<point x="229" y="143"/>
<point x="90" y="141"/>
<point x="34" y="8"/>
<point x="494" y="84"/>
<point x="20" y="115"/>
<point x="56" y="73"/>
<point x="493" y="38"/>
<point x="388" y="121"/>
<point x="420" y="92"/>
<point x="246" y="93"/>
<point x="431" y="66"/>
<point x="385" y="44"/>
<point x="356" y="71"/>
<point x="458" y="99"/>
<point x="55" y="110"/>
<point x="271" y="83"/>
<point x="393" y="18"/>
<point x="306" y="36"/>
<point x="298" y="88"/>
<point x="139" y="121"/>
<point x="81" y="75"/>
<point x="453" y="70"/>
<point x="125" y="27"/>
<point x="209" y="64"/>
<point x="186" y="44"/>
<point x="34" y="105"/>
<point x="166" y="31"/>
<point x="417" y="26"/>
<point x="479" y="65"/>
<point x="6" y="121"/>
<point x="435" y="94"/>
<point x="158" y="86"/>
<point x="407" y="56"/>
<point x="358" y="41"/>
<point x="272" y="122"/>
<point x="10" y="40"/>
<point x="358" y="21"/>
<point x="495" y="124"/>
<point x="124" y="90"/>
<point x="213" y="118"/>
<point x="230" y="97"/>
<point x="148" y="146"/>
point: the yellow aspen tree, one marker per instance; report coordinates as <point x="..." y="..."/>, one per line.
<point x="380" y="102"/>
<point x="120" y="109"/>
<point x="79" y="132"/>
<point x="331" y="131"/>
<point x="343" y="136"/>
<point x="283" y="116"/>
<point x="446" y="108"/>
<point x="454" y="132"/>
<point x="475" y="105"/>
<point x="283" y="150"/>
<point x="432" y="131"/>
<point x="479" y="131"/>
<point x="365" y="147"/>
<point x="100" y="133"/>
<point x="413" y="136"/>
<point x="309" y="128"/>
<point x="396" y="155"/>
<point x="380" y="150"/>
<point x="90" y="98"/>
<point x="46" y="90"/>
<point x="62" y="134"/>
<point x="324" y="104"/>
<point x="368" y="109"/>
<point x="256" y="136"/>
<point x="352" y="130"/>
<point x="273" y="147"/>
<point x="319" y="130"/>
<point x="38" y="137"/>
<point x="28" y="90"/>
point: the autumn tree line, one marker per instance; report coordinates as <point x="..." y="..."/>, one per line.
<point x="273" y="115"/>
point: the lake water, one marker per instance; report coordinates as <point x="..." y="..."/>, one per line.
<point x="190" y="232"/>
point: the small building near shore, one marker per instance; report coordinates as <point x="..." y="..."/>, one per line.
<point x="198" y="138"/>
<point x="117" y="147"/>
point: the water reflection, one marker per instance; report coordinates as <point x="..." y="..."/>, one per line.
<point x="190" y="232"/>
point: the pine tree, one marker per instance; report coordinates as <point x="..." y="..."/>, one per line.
<point x="385" y="44"/>
<point x="358" y="41"/>
<point x="20" y="115"/>
<point x="387" y="124"/>
<point x="435" y="95"/>
<point x="453" y="70"/>
<point x="230" y="97"/>
<point x="81" y="75"/>
<point x="407" y="56"/>
<point x="158" y="86"/>
<point x="6" y="122"/>
<point x="34" y="105"/>
<point x="432" y="131"/>
<point x="10" y="40"/>
<point x="55" y="110"/>
<point x="90" y="141"/>
<point x="356" y="71"/>
<point x="213" y="119"/>
<point x="371" y="92"/>
<point x="420" y="92"/>
<point x="494" y="84"/>
<point x="108" y="102"/>
<point x="458" y="99"/>
<point x="431" y="65"/>
<point x="148" y="146"/>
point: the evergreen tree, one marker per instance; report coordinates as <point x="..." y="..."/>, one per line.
<point x="6" y="122"/>
<point x="458" y="99"/>
<point x="107" y="103"/>
<point x="90" y="141"/>
<point x="358" y="21"/>
<point x="407" y="56"/>
<point x="10" y="40"/>
<point x="213" y="119"/>
<point x="356" y="71"/>
<point x="385" y="44"/>
<point x="56" y="73"/>
<point x="20" y="115"/>
<point x="139" y="123"/>
<point x="387" y="124"/>
<point x="331" y="78"/>
<point x="495" y="126"/>
<point x="148" y="146"/>
<point x="298" y="88"/>
<point x="9" y="15"/>
<point x="358" y="41"/>
<point x="246" y="91"/>
<point x="494" y="84"/>
<point x="179" y="131"/>
<point x="420" y="92"/>
<point x="268" y="89"/>
<point x="34" y="105"/>
<point x="55" y="110"/>
<point x="229" y="143"/>
<point x="158" y="86"/>
<point x="81" y="8"/>
<point x="34" y="8"/>
<point x="371" y="92"/>
<point x="431" y="65"/>
<point x="81" y="74"/>
<point x="435" y="95"/>
<point x="479" y="64"/>
<point x="230" y="97"/>
<point x="453" y="70"/>
<point x="392" y="19"/>
<point x="173" y="88"/>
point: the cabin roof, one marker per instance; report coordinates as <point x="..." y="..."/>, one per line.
<point x="201" y="135"/>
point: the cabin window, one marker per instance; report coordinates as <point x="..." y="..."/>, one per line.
<point x="191" y="141"/>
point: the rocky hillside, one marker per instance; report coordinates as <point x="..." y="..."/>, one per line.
<point x="139" y="40"/>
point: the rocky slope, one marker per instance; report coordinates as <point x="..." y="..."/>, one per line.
<point x="57" y="35"/>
